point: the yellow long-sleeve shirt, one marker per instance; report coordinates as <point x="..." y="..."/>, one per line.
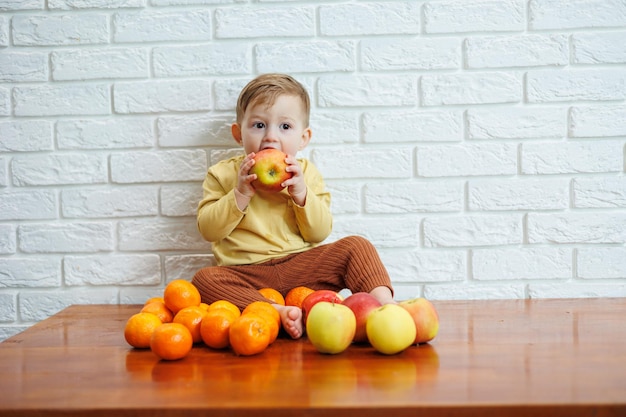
<point x="271" y="226"/>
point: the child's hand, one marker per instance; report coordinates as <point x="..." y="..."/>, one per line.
<point x="295" y="185"/>
<point x="245" y="190"/>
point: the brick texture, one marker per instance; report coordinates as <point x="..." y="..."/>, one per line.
<point x="479" y="144"/>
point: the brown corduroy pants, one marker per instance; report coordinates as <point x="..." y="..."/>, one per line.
<point x="351" y="262"/>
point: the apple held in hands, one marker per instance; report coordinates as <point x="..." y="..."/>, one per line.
<point x="390" y="329"/>
<point x="330" y="327"/>
<point x="361" y="304"/>
<point x="316" y="297"/>
<point x="269" y="168"/>
<point x="425" y="317"/>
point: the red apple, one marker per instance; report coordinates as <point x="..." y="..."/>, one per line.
<point x="425" y="317"/>
<point x="361" y="304"/>
<point x="269" y="167"/>
<point x="316" y="297"/>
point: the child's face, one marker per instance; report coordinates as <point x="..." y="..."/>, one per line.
<point x="280" y="126"/>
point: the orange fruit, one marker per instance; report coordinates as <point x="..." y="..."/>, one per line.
<point x="215" y="327"/>
<point x="139" y="328"/>
<point x="274" y="328"/>
<point x="204" y="306"/>
<point x="191" y="318"/>
<point x="154" y="299"/>
<point x="159" y="309"/>
<point x="296" y="296"/>
<point x="179" y="294"/>
<point x="273" y="295"/>
<point x="225" y="304"/>
<point x="171" y="341"/>
<point x="249" y="334"/>
<point x="264" y="306"/>
<point x="267" y="311"/>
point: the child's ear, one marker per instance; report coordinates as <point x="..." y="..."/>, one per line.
<point x="306" y="138"/>
<point x="235" y="130"/>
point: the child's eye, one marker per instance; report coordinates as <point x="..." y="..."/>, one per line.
<point x="285" y="126"/>
<point x="258" y="125"/>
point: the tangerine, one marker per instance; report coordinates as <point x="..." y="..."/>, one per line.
<point x="215" y="327"/>
<point x="273" y="326"/>
<point x="225" y="304"/>
<point x="159" y="309"/>
<point x="273" y="295"/>
<point x="296" y="296"/>
<point x="191" y="318"/>
<point x="249" y="334"/>
<point x="139" y="329"/>
<point x="267" y="311"/>
<point x="179" y="294"/>
<point x="204" y="306"/>
<point x="149" y="300"/>
<point x="171" y="341"/>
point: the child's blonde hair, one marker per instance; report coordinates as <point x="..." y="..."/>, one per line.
<point x="265" y="88"/>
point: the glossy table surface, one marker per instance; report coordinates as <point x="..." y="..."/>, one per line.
<point x="491" y="358"/>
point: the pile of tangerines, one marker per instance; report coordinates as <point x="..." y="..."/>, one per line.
<point x="172" y="324"/>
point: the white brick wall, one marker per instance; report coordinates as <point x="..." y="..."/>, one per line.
<point x="480" y="144"/>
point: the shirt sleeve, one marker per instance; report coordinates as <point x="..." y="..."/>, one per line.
<point x="218" y="214"/>
<point x="314" y="219"/>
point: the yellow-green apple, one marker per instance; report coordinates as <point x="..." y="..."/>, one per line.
<point x="425" y="317"/>
<point x="361" y="304"/>
<point x="330" y="327"/>
<point x="390" y="329"/>
<point x="269" y="167"/>
<point x="317" y="296"/>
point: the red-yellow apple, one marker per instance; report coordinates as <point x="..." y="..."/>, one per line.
<point x="269" y="167"/>
<point x="317" y="296"/>
<point x="425" y="317"/>
<point x="361" y="304"/>
<point x="330" y="327"/>
<point x="390" y="329"/>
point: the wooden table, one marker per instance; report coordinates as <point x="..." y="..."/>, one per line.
<point x="491" y="358"/>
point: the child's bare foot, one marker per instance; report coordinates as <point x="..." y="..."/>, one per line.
<point x="291" y="318"/>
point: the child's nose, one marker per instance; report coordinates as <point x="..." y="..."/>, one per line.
<point x="271" y="133"/>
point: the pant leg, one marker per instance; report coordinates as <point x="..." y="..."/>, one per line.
<point x="237" y="284"/>
<point x="351" y="262"/>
